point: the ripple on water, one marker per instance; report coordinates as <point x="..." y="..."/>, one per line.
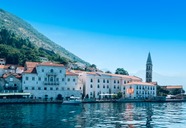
<point x="90" y="116"/>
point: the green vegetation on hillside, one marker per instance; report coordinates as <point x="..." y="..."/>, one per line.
<point x="17" y="50"/>
<point x="26" y="32"/>
<point x="121" y="71"/>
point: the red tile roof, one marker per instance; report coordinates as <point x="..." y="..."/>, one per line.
<point x="140" y="83"/>
<point x="71" y="73"/>
<point x="31" y="64"/>
<point x="109" y="74"/>
<point x="51" y="64"/>
<point x="174" y="87"/>
<point x="13" y="74"/>
<point x="2" y="66"/>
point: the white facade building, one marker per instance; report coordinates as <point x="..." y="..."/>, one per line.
<point x="102" y="85"/>
<point x="139" y="90"/>
<point x="48" y="80"/>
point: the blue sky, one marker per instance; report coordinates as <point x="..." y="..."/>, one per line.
<point x="113" y="33"/>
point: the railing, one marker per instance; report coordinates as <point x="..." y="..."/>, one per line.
<point x="51" y="74"/>
<point x="49" y="83"/>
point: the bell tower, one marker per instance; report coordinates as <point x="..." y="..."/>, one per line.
<point x="149" y="69"/>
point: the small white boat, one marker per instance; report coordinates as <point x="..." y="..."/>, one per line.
<point x="173" y="98"/>
<point x="73" y="100"/>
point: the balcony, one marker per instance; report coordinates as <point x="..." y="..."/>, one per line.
<point x="51" y="83"/>
<point x="51" y="74"/>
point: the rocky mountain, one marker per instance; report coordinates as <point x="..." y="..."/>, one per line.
<point x="26" y="31"/>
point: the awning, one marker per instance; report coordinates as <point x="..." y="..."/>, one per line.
<point x="108" y="94"/>
<point x="15" y="94"/>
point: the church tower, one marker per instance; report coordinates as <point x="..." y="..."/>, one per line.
<point x="149" y="69"/>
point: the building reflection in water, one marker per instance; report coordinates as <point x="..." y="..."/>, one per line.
<point x="149" y="113"/>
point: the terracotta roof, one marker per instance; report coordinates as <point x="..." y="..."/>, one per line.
<point x="141" y="83"/>
<point x="13" y="74"/>
<point x="7" y="66"/>
<point x="2" y="66"/>
<point x="71" y="73"/>
<point x="155" y="83"/>
<point x="30" y="70"/>
<point x="109" y="74"/>
<point x="31" y="64"/>
<point x="174" y="87"/>
<point x="51" y="64"/>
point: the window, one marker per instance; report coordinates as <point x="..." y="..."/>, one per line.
<point x="33" y="78"/>
<point x="26" y="78"/>
<point x="98" y="81"/>
<point x="80" y="88"/>
<point x="45" y="79"/>
<point x="45" y="88"/>
<point x="51" y="79"/>
<point x="107" y="81"/>
<point x="118" y="87"/>
<point x="118" y="81"/>
<point x="51" y="70"/>
<point x="107" y="86"/>
<point x="57" y="88"/>
<point x="62" y="88"/>
<point x="103" y="81"/>
<point x="124" y="82"/>
<point x="103" y="86"/>
<point x="68" y="88"/>
<point x="114" y="81"/>
<point x="74" y="80"/>
<point x="39" y="78"/>
<point x="137" y="87"/>
<point x="57" y="79"/>
<point x="33" y="88"/>
<point x="123" y="88"/>
<point x="63" y="79"/>
<point x="73" y="88"/>
<point x="98" y="85"/>
<point x="114" y="86"/>
<point x="91" y="93"/>
<point x="91" y="86"/>
<point x="51" y="88"/>
<point x="68" y="79"/>
<point x="60" y="71"/>
<point x="91" y="80"/>
<point x="39" y="88"/>
<point x="26" y="88"/>
<point x="42" y="70"/>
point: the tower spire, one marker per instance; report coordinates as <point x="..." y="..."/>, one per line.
<point x="149" y="69"/>
<point x="149" y="60"/>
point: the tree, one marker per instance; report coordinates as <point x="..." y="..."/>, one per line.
<point x="121" y="71"/>
<point x="177" y="91"/>
<point x="161" y="91"/>
<point x="119" y="95"/>
<point x="93" y="66"/>
<point x="108" y="72"/>
<point x="59" y="97"/>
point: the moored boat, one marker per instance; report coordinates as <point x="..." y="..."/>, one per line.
<point x="73" y="100"/>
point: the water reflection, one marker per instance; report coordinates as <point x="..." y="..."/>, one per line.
<point x="105" y="115"/>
